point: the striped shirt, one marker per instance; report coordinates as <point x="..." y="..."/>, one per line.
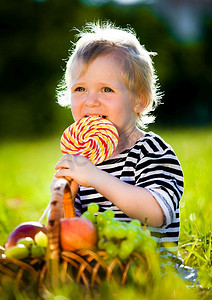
<point x="151" y="164"/>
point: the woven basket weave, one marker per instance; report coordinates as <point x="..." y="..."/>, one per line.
<point x="86" y="267"/>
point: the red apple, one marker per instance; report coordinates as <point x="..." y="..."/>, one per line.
<point x="27" y="229"/>
<point x="77" y="233"/>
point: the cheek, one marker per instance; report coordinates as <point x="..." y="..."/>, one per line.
<point x="75" y="109"/>
<point x="124" y="109"/>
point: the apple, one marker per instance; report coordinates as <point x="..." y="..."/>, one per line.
<point x="77" y="233"/>
<point x="27" y="229"/>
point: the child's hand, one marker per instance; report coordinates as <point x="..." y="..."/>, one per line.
<point x="73" y="186"/>
<point x="76" y="167"/>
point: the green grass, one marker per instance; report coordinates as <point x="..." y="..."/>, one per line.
<point x="194" y="150"/>
<point x="26" y="171"/>
<point x="27" y="168"/>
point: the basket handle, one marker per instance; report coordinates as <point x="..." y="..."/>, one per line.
<point x="61" y="196"/>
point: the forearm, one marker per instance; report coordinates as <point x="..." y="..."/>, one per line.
<point x="136" y="202"/>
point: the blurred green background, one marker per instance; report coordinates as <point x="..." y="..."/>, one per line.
<point x="35" y="38"/>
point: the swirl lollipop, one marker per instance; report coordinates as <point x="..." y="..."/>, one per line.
<point x="93" y="137"/>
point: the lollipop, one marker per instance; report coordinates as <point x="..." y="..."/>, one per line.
<point x="93" y="137"/>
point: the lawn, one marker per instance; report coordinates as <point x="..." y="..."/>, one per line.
<point x="27" y="167"/>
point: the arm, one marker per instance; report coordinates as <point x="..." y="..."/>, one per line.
<point x="136" y="202"/>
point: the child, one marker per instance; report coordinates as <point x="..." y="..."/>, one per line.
<point x="110" y="74"/>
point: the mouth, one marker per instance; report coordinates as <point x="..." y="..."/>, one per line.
<point x="100" y="116"/>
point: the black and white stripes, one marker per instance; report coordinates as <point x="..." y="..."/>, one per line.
<point x="152" y="164"/>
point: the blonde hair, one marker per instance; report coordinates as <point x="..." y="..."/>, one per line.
<point x="137" y="67"/>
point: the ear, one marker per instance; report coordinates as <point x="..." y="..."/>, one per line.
<point x="140" y="104"/>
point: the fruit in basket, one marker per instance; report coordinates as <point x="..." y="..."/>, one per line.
<point x="118" y="238"/>
<point x="37" y="251"/>
<point x="41" y="239"/>
<point x="19" y="251"/>
<point x="27" y="229"/>
<point x="77" y="233"/>
<point x="27" y="241"/>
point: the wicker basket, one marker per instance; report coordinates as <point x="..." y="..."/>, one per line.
<point x="86" y="267"/>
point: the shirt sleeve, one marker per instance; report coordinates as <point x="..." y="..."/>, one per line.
<point x="159" y="171"/>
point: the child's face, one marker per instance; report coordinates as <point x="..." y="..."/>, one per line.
<point x="100" y="90"/>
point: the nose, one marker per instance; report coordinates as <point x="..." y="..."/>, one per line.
<point x="92" y="100"/>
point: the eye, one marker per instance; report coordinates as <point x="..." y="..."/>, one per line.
<point x="79" y="89"/>
<point x="107" y="90"/>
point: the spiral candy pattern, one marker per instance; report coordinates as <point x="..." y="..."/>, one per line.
<point x="93" y="137"/>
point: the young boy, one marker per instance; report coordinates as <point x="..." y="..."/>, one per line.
<point x="110" y="74"/>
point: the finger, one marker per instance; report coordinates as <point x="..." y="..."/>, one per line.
<point x="63" y="173"/>
<point x="54" y="180"/>
<point x="60" y="163"/>
<point x="64" y="162"/>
